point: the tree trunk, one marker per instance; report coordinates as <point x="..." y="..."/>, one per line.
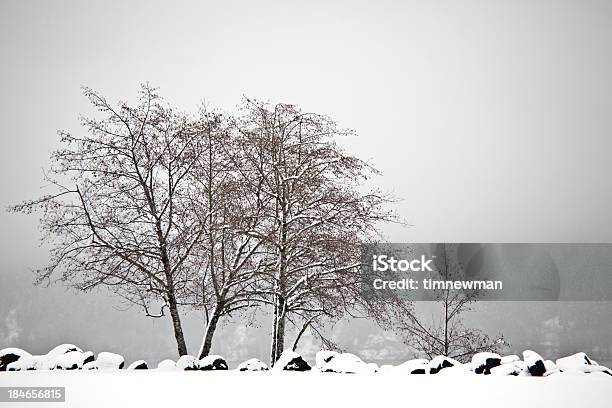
<point x="209" y="333"/>
<point x="176" y="324"/>
<point x="274" y="336"/>
<point x="280" y="328"/>
<point x="278" y="331"/>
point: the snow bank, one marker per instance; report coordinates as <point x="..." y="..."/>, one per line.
<point x="308" y="389"/>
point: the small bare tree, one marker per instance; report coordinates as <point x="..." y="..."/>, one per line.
<point x="314" y="215"/>
<point x="445" y="333"/>
<point x="122" y="211"/>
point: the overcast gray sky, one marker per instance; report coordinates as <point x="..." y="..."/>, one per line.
<point x="490" y="119"/>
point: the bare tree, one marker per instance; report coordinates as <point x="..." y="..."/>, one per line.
<point x="314" y="215"/>
<point x="212" y="212"/>
<point x="445" y="332"/>
<point x="230" y="254"/>
<point x="122" y="211"/>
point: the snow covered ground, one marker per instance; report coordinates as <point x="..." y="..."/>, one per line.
<point x="306" y="389"/>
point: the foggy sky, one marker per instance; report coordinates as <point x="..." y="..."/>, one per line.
<point x="491" y="120"/>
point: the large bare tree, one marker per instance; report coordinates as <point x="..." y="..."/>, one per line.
<point x="124" y="211"/>
<point x="213" y="212"/>
<point x="315" y="214"/>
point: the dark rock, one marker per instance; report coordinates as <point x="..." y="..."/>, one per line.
<point x="7" y="359"/>
<point x="10" y="355"/>
<point x="291" y="361"/>
<point x="138" y="365"/>
<point x="441" y="362"/>
<point x="482" y="363"/>
<point x="89" y="357"/>
<point x="537" y="369"/>
<point x="535" y="363"/>
<point x="213" y="362"/>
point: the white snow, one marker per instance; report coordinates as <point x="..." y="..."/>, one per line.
<point x="551" y="368"/>
<point x="508" y="369"/>
<point x="109" y="361"/>
<point x="25" y="363"/>
<point x="253" y="364"/>
<point x="598" y="369"/>
<point x="457" y="370"/>
<point x="324" y="356"/>
<point x="62" y="357"/>
<point x="13" y="350"/>
<point x="63" y="349"/>
<point x="166" y="365"/>
<point x="415" y="364"/>
<point x="574" y="362"/>
<point x="92" y="365"/>
<point x="387" y="369"/>
<point x="347" y="363"/>
<point x="531" y="357"/>
<point x="187" y="362"/>
<point x="509" y="359"/>
<point x="581" y="363"/>
<point x="72" y="360"/>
